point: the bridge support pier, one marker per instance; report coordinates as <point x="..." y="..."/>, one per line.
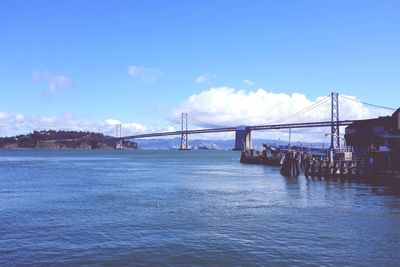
<point x="243" y="138"/>
<point x="118" y="135"/>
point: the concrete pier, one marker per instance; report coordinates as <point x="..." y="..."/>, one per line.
<point x="243" y="139"/>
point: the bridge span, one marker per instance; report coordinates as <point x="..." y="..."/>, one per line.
<point x="243" y="138"/>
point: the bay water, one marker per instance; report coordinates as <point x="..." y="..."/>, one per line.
<point x="187" y="208"/>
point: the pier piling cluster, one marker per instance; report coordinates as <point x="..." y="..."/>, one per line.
<point x="294" y="162"/>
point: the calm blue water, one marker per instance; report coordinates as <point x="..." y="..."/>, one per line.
<point x="151" y="208"/>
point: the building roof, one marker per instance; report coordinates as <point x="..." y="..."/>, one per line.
<point x="389" y="122"/>
<point x="396" y="113"/>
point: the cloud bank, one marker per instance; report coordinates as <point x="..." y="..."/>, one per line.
<point x="225" y="106"/>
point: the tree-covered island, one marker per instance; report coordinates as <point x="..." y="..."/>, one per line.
<point x="50" y="139"/>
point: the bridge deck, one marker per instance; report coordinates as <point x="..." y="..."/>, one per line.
<point x="232" y="129"/>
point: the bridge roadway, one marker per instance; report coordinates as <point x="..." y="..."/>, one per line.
<point x="233" y="129"/>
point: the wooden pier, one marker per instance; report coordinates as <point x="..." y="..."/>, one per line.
<point x="330" y="164"/>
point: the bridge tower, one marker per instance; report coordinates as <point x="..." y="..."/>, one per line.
<point x="335" y="142"/>
<point x="118" y="135"/>
<point x="184" y="135"/>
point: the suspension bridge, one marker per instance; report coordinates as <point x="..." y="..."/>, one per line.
<point x="243" y="134"/>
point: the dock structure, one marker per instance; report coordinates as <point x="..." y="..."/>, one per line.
<point x="291" y="163"/>
<point x="341" y="167"/>
<point x="269" y="156"/>
<point x="373" y="150"/>
<point x="297" y="162"/>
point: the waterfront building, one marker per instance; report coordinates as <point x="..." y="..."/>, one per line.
<point x="378" y="140"/>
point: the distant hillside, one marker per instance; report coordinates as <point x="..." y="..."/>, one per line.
<point x="63" y="140"/>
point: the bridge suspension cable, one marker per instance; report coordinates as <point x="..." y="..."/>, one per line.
<point x="196" y="121"/>
<point x="365" y="103"/>
<point x="175" y="121"/>
<point x="303" y="111"/>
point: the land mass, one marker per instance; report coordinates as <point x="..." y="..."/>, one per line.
<point x="49" y="139"/>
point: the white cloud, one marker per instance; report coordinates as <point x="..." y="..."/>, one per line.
<point x="8" y="123"/>
<point x="112" y="122"/>
<point x="128" y="128"/>
<point x="14" y="124"/>
<point x="144" y="74"/>
<point x="205" y="78"/>
<point x="3" y="115"/>
<point x="19" y="117"/>
<point x="133" y="128"/>
<point x="56" y="82"/>
<point x="247" y="82"/>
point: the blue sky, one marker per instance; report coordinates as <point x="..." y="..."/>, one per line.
<point x="72" y="58"/>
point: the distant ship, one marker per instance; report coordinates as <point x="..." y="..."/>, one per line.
<point x="207" y="147"/>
